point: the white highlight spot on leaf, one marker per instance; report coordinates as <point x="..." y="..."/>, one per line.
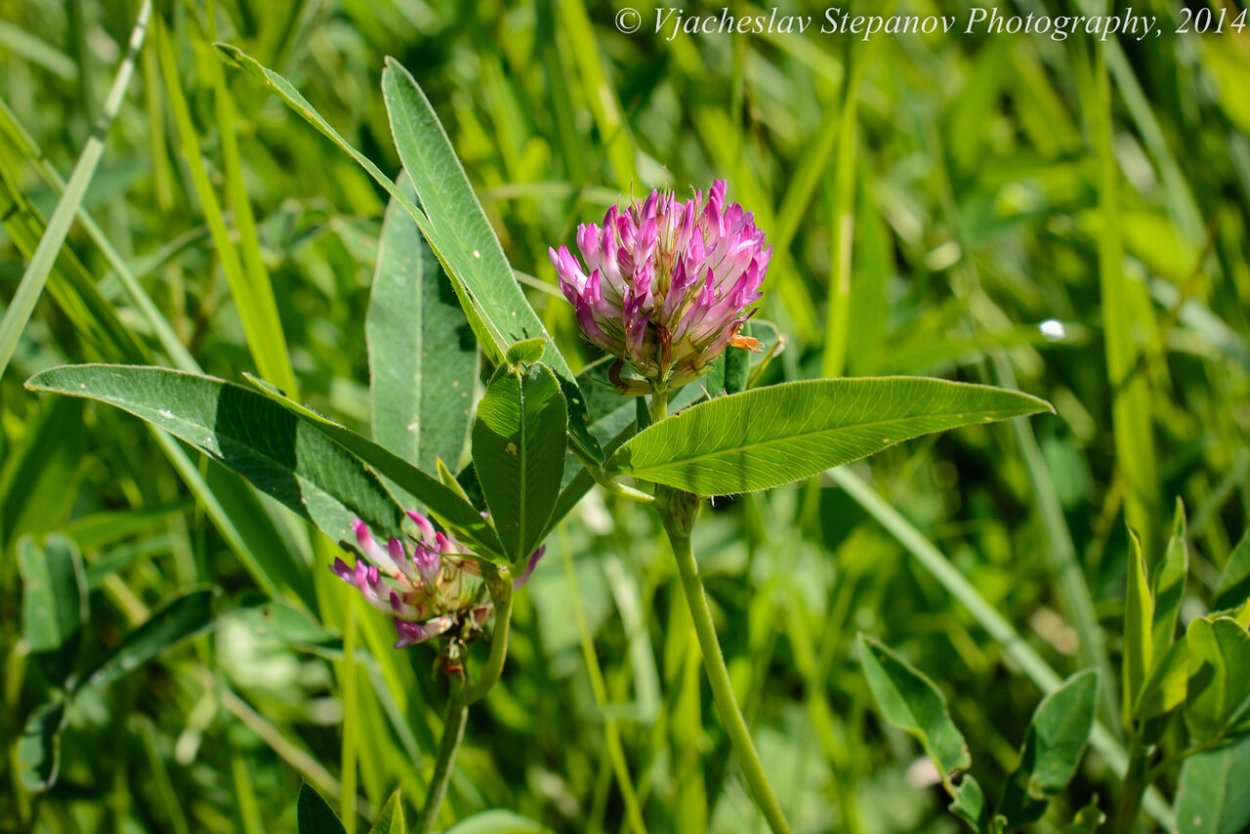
<point x="477" y="254"/>
<point x="166" y="413"/>
<point x="412" y="426"/>
<point x="1052" y="329"/>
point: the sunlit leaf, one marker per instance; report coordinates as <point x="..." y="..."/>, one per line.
<point x="422" y="355"/>
<point x="518" y="452"/>
<point x="771" y="436"/>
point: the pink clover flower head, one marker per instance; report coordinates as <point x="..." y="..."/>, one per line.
<point x="665" y="285"/>
<point x="429" y="586"/>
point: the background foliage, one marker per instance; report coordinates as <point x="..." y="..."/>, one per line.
<point x="1012" y="210"/>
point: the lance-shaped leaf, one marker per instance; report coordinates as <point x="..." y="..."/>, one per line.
<point x="449" y="506"/>
<point x="1138" y="618"/>
<point x="1168" y="586"/>
<point x="909" y="700"/>
<point x="313" y="814"/>
<point x="771" y="436"/>
<point x="423" y="359"/>
<point x="281" y="455"/>
<point x="461" y="235"/>
<point x="1056" y="740"/>
<point x="519" y="441"/>
<point x="391" y="818"/>
<point x="465" y="244"/>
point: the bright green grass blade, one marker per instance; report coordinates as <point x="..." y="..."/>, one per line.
<point x="20" y="42"/>
<point x="1131" y="405"/>
<point x="169" y="341"/>
<point x="598" y="94"/>
<point x="42" y="261"/>
<point x="253" y="298"/>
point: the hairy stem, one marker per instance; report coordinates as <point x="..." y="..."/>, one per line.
<point x="463" y="694"/>
<point x="501" y="597"/>
<point x="453" y="732"/>
<point x="677" y="523"/>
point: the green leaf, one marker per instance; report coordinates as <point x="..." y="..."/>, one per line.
<point x="39" y="748"/>
<point x="1167" y="685"/>
<point x="1056" y="740"/>
<point x="527" y="352"/>
<point x="1219" y="675"/>
<point x="261" y="440"/>
<point x="1234" y="585"/>
<point x="969" y="805"/>
<point x="909" y="701"/>
<point x="1212" y="796"/>
<point x="492" y="300"/>
<point x="54" y="592"/>
<point x="771" y="436"/>
<point x="1169" y="586"/>
<point x="450" y="505"/>
<point x="461" y="235"/>
<point x="518" y="452"/>
<point x="182" y="618"/>
<point x="498" y="822"/>
<point x="391" y="818"/>
<point x="1138" y="616"/>
<point x="313" y="815"/>
<point x="422" y="357"/>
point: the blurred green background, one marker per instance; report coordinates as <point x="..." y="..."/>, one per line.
<point x="1067" y="218"/>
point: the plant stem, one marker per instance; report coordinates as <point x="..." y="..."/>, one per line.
<point x="501" y="597"/>
<point x="462" y="694"/>
<point x="1135" y="784"/>
<point x="453" y="732"/>
<point x="718" y="678"/>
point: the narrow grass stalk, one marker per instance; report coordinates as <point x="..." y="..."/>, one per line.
<point x="1074" y="591"/>
<point x="164" y="331"/>
<point x="351" y="720"/>
<point x="598" y="687"/>
<point x="1131" y="407"/>
<point x="256" y="306"/>
<point x="36" y="276"/>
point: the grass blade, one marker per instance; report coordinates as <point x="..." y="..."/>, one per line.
<point x="40" y="267"/>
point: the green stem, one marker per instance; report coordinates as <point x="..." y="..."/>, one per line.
<point x="1135" y="784"/>
<point x="501" y="597"/>
<point x="659" y="405"/>
<point x="718" y="677"/>
<point x="463" y="694"/>
<point x="453" y="733"/>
